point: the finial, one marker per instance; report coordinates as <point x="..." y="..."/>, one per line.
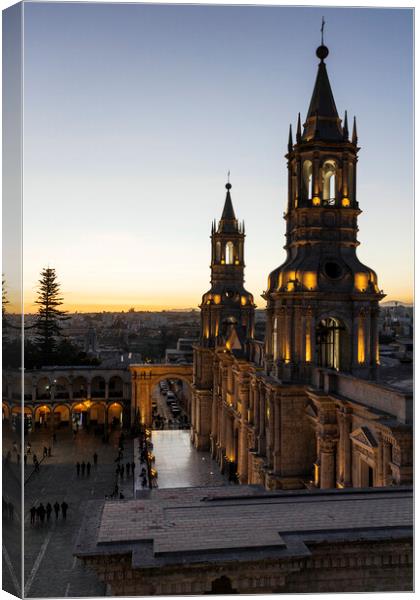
<point x="228" y="185"/>
<point x="322" y="51"/>
<point x="345" y="127"/>
<point x="299" y="131"/>
<point x="290" y="143"/>
<point x="354" y="135"/>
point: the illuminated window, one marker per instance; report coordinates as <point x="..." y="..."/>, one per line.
<point x="307" y="179"/>
<point x="329" y="182"/>
<point x="218" y="251"/>
<point x="229" y="253"/>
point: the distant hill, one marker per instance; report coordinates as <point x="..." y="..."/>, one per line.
<point x="394" y="302"/>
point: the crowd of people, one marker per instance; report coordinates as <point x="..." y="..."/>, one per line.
<point x="41" y="513"/>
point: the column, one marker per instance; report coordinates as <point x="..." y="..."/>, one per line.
<point x="277" y="437"/>
<point x="347" y="450"/>
<point x="386" y="457"/>
<point x="327" y="451"/>
<point x="261" y="432"/>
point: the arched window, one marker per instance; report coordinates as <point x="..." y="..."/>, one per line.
<point x="229" y="253"/>
<point x="218" y="251"/>
<point x="351" y="181"/>
<point x="328" y="343"/>
<point x="329" y="181"/>
<point x="307" y="180"/>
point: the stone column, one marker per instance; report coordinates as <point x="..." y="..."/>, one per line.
<point x="374" y="337"/>
<point x="270" y="437"/>
<point x="256" y="409"/>
<point x="315" y="178"/>
<point x="327" y="451"/>
<point x="386" y="457"/>
<point x="261" y="431"/>
<point x="277" y="437"/>
<point x="347" y="450"/>
<point x="107" y="390"/>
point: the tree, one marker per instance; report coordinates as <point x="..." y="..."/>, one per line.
<point x="49" y="315"/>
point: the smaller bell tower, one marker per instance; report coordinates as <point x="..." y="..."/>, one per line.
<point x="227" y="302"/>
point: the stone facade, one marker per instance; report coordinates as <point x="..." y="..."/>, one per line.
<point x="176" y="542"/>
<point x="306" y="409"/>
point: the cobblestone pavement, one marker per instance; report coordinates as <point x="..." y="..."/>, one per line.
<point x="179" y="464"/>
<point x="50" y="568"/>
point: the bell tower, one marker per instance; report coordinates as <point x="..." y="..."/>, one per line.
<point x="322" y="302"/>
<point x="227" y="303"/>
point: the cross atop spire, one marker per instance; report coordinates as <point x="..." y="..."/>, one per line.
<point x="322" y="31"/>
<point x="228" y="221"/>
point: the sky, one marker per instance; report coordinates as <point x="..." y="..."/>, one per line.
<point x="133" y="114"/>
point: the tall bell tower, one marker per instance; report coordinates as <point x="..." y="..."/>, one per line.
<point x="227" y="316"/>
<point x="322" y="302"/>
<point x="227" y="303"/>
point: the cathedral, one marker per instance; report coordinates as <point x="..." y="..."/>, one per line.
<point x="305" y="408"/>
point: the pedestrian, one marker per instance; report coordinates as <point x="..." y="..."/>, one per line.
<point x="56" y="509"/>
<point x="64" y="507"/>
<point x="83" y="467"/>
<point x="28" y="448"/>
<point x="49" y="511"/>
<point x="54" y="438"/>
<point x="127" y="469"/>
<point x="95" y="459"/>
<point x="25" y="459"/>
<point x="11" y="509"/>
<point x="78" y="468"/>
<point x="133" y="466"/>
<point x="33" y="513"/>
<point x="18" y="458"/>
<point x="116" y="488"/>
<point x="88" y="467"/>
<point x="49" y="450"/>
<point x="36" y="465"/>
<point x="14" y="447"/>
<point x="42" y="512"/>
<point x="45" y="451"/>
<point x="121" y="496"/>
<point x="34" y="458"/>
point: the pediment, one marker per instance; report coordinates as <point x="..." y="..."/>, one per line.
<point x="310" y="411"/>
<point x="364" y="436"/>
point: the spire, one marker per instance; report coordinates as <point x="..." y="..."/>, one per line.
<point x="228" y="220"/>
<point x="322" y="105"/>
<point x="299" y="131"/>
<point x="354" y="137"/>
<point x="345" y="127"/>
<point x="290" y="143"/>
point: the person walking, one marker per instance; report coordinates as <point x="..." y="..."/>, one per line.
<point x="42" y="512"/>
<point x="64" y="507"/>
<point x="88" y="467"/>
<point x="25" y="459"/>
<point x="49" y="511"/>
<point x="127" y="469"/>
<point x="18" y="458"/>
<point x="33" y="513"/>
<point x="95" y="459"/>
<point x="78" y="468"/>
<point x="83" y="467"/>
<point x="133" y="466"/>
<point x="28" y="448"/>
<point x="56" y="509"/>
<point x="45" y="454"/>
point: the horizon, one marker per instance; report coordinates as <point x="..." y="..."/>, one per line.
<point x="135" y="113"/>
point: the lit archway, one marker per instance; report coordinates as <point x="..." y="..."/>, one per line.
<point x="61" y="415"/>
<point x="328" y="340"/>
<point x="42" y="416"/>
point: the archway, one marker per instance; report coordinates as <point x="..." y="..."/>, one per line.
<point x="145" y="378"/>
<point x="80" y="387"/>
<point x="79" y="415"/>
<point x="222" y="585"/>
<point x="115" y="415"/>
<point x="61" y="415"/>
<point x="116" y="387"/>
<point x="62" y="388"/>
<point x="18" y="414"/>
<point x="42" y="416"/>
<point x="43" y="389"/>
<point x="97" y="387"/>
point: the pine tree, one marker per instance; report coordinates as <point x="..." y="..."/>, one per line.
<point x="49" y="315"/>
